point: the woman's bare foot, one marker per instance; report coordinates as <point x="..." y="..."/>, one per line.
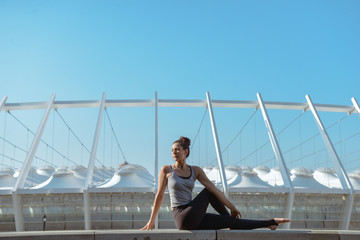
<point x="279" y="221"/>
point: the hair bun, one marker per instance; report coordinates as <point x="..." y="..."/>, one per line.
<point x="184" y="140"/>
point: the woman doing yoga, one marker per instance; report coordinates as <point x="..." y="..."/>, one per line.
<point x="190" y="214"/>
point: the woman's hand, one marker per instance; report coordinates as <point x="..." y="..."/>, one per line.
<point x="159" y="197"/>
<point x="149" y="225"/>
<point x="235" y="213"/>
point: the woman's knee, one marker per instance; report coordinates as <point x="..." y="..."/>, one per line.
<point x="205" y="192"/>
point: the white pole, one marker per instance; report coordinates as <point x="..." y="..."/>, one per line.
<point x="87" y="215"/>
<point x="18" y="214"/>
<point x="356" y="105"/>
<point x="90" y="169"/>
<point x="2" y="103"/>
<point x="156" y="140"/>
<point x="344" y="179"/>
<point x="279" y="158"/>
<point x="156" y="150"/>
<point x="217" y="144"/>
<point x="275" y="145"/>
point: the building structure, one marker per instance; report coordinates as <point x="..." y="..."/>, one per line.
<point x="78" y="198"/>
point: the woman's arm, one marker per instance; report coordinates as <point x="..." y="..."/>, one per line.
<point x="158" y="198"/>
<point x="204" y="180"/>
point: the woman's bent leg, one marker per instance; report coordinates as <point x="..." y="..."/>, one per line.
<point x="191" y="215"/>
<point x="205" y="197"/>
<point x="217" y="204"/>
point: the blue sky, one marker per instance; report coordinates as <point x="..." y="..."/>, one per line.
<point x="130" y="49"/>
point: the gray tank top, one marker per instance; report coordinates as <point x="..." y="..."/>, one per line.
<point x="180" y="188"/>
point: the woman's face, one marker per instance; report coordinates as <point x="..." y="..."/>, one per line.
<point x="178" y="152"/>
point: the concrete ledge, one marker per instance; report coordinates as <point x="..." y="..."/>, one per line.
<point x="184" y="235"/>
<point x="278" y="234"/>
<point x="156" y="235"/>
<point x="49" y="235"/>
<point x="349" y="235"/>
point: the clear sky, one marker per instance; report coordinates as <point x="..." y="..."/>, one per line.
<point x="130" y="49"/>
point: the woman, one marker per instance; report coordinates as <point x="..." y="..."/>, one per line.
<point x="191" y="214"/>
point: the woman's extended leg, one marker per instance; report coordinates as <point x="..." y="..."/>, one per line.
<point x="214" y="221"/>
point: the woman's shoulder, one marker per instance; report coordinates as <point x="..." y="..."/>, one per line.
<point x="166" y="168"/>
<point x="196" y="169"/>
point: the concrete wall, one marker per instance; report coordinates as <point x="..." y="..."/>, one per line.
<point x="184" y="235"/>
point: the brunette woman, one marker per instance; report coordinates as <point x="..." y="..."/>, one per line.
<point x="190" y="214"/>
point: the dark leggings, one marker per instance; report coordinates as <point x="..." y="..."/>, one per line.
<point x="193" y="215"/>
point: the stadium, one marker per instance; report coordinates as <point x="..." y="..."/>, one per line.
<point x="297" y="160"/>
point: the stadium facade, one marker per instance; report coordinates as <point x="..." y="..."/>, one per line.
<point x="100" y="197"/>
